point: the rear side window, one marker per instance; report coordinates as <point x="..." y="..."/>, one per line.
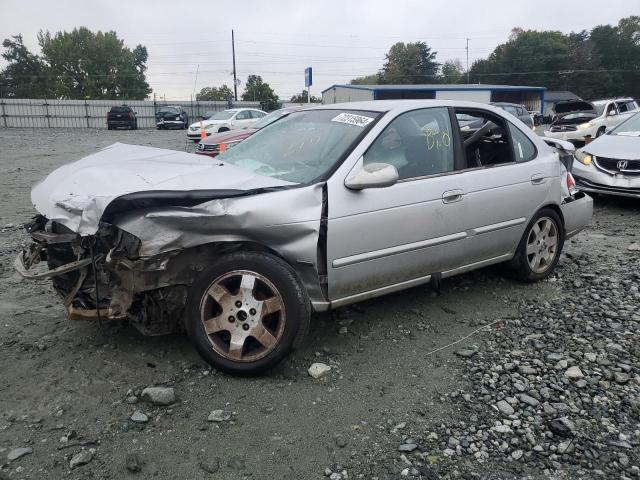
<point x="417" y="143"/>
<point x="523" y="148"/>
<point x="257" y="114"/>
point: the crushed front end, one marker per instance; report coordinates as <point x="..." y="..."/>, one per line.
<point x="102" y="276"/>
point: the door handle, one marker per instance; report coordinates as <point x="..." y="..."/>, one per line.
<point x="538" y="179"/>
<point x="452" y="196"/>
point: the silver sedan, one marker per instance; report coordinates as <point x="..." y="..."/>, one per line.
<point x="611" y="163"/>
<point x="326" y="207"/>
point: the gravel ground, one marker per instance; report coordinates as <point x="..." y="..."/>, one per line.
<point x="550" y="390"/>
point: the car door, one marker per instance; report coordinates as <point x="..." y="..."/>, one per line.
<point x="506" y="182"/>
<point x="242" y="119"/>
<point x="385" y="238"/>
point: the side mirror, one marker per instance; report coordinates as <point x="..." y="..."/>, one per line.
<point x="372" y="175"/>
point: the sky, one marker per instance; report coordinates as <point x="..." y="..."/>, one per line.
<point x="277" y="39"/>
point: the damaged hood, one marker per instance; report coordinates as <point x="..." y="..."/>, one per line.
<point x="77" y="194"/>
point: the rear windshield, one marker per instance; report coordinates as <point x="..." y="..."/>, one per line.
<point x="120" y="109"/>
<point x="302" y="146"/>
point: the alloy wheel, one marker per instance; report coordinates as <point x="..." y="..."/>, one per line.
<point x="542" y="245"/>
<point x="243" y="314"/>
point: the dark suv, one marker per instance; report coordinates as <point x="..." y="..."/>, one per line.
<point x="122" y="116"/>
<point x="171" y="116"/>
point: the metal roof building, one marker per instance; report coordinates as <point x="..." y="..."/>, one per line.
<point x="531" y="97"/>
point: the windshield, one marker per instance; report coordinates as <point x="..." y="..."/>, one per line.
<point x="628" y="128"/>
<point x="599" y="107"/>
<point x="270" y="118"/>
<point x="173" y="110"/>
<point x="302" y="146"/>
<point x="224" y="115"/>
<point x="208" y="115"/>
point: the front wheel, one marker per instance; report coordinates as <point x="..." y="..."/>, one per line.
<point x="539" y="250"/>
<point x="601" y="131"/>
<point x="245" y="311"/>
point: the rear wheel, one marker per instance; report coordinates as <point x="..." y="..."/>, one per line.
<point x="245" y="311"/>
<point x="540" y="247"/>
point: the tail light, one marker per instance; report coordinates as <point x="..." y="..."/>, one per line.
<point x="571" y="183"/>
<point x="131" y="115"/>
<point x="107" y="117"/>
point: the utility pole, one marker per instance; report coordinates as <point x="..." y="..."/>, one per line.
<point x="467" y="48"/>
<point x="235" y="81"/>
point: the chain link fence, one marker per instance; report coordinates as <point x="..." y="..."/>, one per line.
<point x="40" y="113"/>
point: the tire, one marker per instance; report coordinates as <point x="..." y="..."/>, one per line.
<point x="232" y="310"/>
<point x="601" y="131"/>
<point x="523" y="263"/>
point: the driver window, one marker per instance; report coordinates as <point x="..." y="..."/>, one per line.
<point x="485" y="138"/>
<point x="611" y="109"/>
<point x="244" y="115"/>
<point x="417" y="143"/>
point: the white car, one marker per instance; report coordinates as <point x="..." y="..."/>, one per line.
<point x="610" y="113"/>
<point x="232" y="119"/>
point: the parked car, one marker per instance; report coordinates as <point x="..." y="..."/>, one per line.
<point x="328" y="206"/>
<point x="592" y="120"/>
<point x="517" y="111"/>
<point x="469" y="122"/>
<point x="122" y="116"/>
<point x="170" y="117"/>
<point x="225" y="120"/>
<point x="211" y="145"/>
<point x="611" y="163"/>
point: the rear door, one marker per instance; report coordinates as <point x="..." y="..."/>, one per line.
<point x="505" y="183"/>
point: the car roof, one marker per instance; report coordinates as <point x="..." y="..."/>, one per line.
<point x="403" y="105"/>
<point x="606" y="100"/>
<point x="500" y="104"/>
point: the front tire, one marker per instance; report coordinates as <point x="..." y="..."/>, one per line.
<point x="539" y="249"/>
<point x="245" y="311"/>
<point x="601" y="131"/>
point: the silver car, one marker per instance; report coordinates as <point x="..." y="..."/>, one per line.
<point x="611" y="163"/>
<point x="329" y="206"/>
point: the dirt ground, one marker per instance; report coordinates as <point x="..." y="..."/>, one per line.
<point x="71" y="379"/>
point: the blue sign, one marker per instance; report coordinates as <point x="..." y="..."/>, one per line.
<point x="308" y="77"/>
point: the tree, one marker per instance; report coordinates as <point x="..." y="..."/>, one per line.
<point x="79" y="64"/>
<point x="303" y="97"/>
<point x="409" y="63"/>
<point x="223" y="94"/>
<point x="373" y="79"/>
<point x="26" y="74"/>
<point x="255" y="90"/>
<point x="604" y="62"/>
<point x="84" y="64"/>
<point x="451" y="72"/>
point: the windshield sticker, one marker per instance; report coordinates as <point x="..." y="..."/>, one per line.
<point x="351" y="119"/>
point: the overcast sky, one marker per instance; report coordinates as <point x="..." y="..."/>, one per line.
<point x="277" y="39"/>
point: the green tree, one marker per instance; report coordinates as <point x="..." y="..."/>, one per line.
<point x="409" y="63"/>
<point x="223" y="93"/>
<point x="373" y="79"/>
<point x="451" y="72"/>
<point x="84" y="64"/>
<point x="303" y="97"/>
<point x="26" y="74"/>
<point x="256" y="90"/>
